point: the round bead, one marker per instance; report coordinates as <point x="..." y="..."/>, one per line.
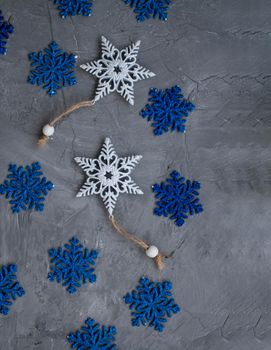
<point x="152" y="251"/>
<point x="48" y="130"/>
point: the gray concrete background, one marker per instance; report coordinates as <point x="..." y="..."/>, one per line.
<point x="219" y="52"/>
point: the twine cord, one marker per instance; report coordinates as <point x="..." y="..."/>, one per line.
<point x="158" y="259"/>
<point x="43" y="138"/>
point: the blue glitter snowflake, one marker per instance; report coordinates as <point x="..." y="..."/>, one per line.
<point x="152" y="303"/>
<point x="25" y="187"/>
<point x="6" y="29"/>
<point x="10" y="288"/>
<point x="145" y="9"/>
<point x="177" y="198"/>
<point x="73" y="266"/>
<point x="53" y="69"/>
<point x="73" y="7"/>
<point x="168" y="111"/>
<point x="93" y="337"/>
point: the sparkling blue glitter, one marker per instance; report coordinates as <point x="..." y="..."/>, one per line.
<point x="53" y="69"/>
<point x="92" y="336"/>
<point x="25" y="187"/>
<point x="151" y="303"/>
<point x="168" y="110"/>
<point x="145" y="9"/>
<point x="73" y="266"/>
<point x="10" y="288"/>
<point x="177" y="198"/>
<point x="6" y="28"/>
<point x="73" y="7"/>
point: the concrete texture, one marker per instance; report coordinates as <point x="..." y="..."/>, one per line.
<point x="219" y="52"/>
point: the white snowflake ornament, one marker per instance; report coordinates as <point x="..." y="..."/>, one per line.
<point x="108" y="175"/>
<point x="117" y="70"/>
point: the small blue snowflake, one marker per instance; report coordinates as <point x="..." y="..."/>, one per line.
<point x="10" y="288"/>
<point x="73" y="266"/>
<point x="6" y="29"/>
<point x="73" y="7"/>
<point x="152" y="303"/>
<point x="26" y="187"/>
<point x="93" y="337"/>
<point x="177" y="198"/>
<point x="53" y="69"/>
<point x="145" y="9"/>
<point x="168" y="110"/>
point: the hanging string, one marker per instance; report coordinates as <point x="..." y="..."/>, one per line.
<point x="158" y="259"/>
<point x="48" y="129"/>
<point x="10" y="19"/>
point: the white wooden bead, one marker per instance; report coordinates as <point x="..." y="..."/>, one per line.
<point x="48" y="130"/>
<point x="152" y="251"/>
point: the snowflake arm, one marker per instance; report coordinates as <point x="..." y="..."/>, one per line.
<point x="53" y="69"/>
<point x="117" y="70"/>
<point x="130" y="52"/>
<point x="110" y="200"/>
<point x="168" y="110"/>
<point x="91" y="186"/>
<point x="108" y="154"/>
<point x="151" y="303"/>
<point x="10" y="288"/>
<point x="177" y="198"/>
<point x="127" y="92"/>
<point x="96" y="68"/>
<point x="73" y="266"/>
<point x="108" y="175"/>
<point x="86" y="164"/>
<point x="26" y="188"/>
<point x="127" y="164"/>
<point x="131" y="187"/>
<point x="141" y="73"/>
<point x="108" y="49"/>
<point x="145" y="9"/>
<point x="93" y="336"/>
<point x="6" y="29"/>
<point x="74" y="7"/>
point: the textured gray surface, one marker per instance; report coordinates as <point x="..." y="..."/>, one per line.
<point x="219" y="52"/>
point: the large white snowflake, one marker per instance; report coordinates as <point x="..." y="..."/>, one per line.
<point x="117" y="70"/>
<point x="108" y="175"/>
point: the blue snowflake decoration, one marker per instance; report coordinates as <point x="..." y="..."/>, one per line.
<point x="73" y="266"/>
<point x="53" y="69"/>
<point x="152" y="304"/>
<point x="93" y="337"/>
<point x="25" y="187"/>
<point x="73" y="7"/>
<point x="145" y="9"/>
<point x="10" y="288"/>
<point x="177" y="198"/>
<point x="168" y="110"/>
<point x="6" y="29"/>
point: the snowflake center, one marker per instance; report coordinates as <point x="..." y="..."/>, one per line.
<point x="53" y="68"/>
<point x="108" y="175"/>
<point x="27" y="187"/>
<point x="117" y="69"/>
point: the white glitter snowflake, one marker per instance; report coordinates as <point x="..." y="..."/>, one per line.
<point x="117" y="70"/>
<point x="108" y="175"/>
